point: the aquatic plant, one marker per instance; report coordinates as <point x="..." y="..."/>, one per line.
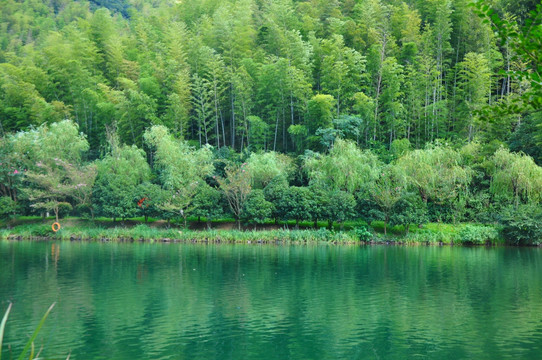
<point x="30" y="343"/>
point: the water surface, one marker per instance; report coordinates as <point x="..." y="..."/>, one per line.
<point x="184" y="301"/>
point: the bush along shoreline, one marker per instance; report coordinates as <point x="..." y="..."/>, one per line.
<point x="431" y="234"/>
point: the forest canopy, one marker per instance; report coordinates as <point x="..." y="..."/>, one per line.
<point x="264" y="75"/>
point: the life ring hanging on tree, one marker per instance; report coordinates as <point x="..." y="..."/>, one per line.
<point x="55" y="226"/>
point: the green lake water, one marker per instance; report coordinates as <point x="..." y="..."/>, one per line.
<point x="185" y="301"/>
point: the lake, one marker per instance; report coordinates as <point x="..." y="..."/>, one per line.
<point x="193" y="301"/>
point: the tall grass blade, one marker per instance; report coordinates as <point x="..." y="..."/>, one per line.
<point x="35" y="334"/>
<point x="3" y="326"/>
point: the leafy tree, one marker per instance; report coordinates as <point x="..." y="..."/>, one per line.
<point x="264" y="167"/>
<point x="275" y="192"/>
<point x="137" y="111"/>
<point x="318" y="202"/>
<point x="387" y="191"/>
<point x="11" y="170"/>
<point x="522" y="225"/>
<point x="409" y="209"/>
<point x="346" y="167"/>
<point x="522" y="139"/>
<point x="300" y="204"/>
<point x="256" y="208"/>
<point x="208" y="203"/>
<point x="437" y="173"/>
<point x="341" y="70"/>
<point x="350" y="127"/>
<point x="120" y="175"/>
<point x="8" y="207"/>
<point x="236" y="187"/>
<point x="149" y="197"/>
<point x="341" y="207"/>
<point x="181" y="169"/>
<point x="399" y="147"/>
<point x="202" y="104"/>
<point x="516" y="177"/>
<point x="56" y="173"/>
<point x="525" y="40"/>
<point x="258" y="130"/>
<point x="391" y="107"/>
<point x="474" y="76"/>
<point x="320" y="116"/>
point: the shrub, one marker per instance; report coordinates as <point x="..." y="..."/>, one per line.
<point x="8" y="207"/>
<point x="64" y="209"/>
<point x="322" y="234"/>
<point x="477" y="234"/>
<point x="257" y="209"/>
<point x="363" y="234"/>
<point x="522" y="226"/>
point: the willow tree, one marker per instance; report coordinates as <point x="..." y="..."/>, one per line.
<point x="181" y="169"/>
<point x="437" y="173"/>
<point x="346" y="167"/>
<point x="516" y="177"/>
<point x="264" y="167"/>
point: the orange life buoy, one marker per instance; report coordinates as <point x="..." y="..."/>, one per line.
<point x="56" y="227"/>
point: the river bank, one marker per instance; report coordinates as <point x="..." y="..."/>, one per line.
<point x="430" y="234"/>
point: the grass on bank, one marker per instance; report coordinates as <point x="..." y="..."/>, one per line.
<point x="155" y="230"/>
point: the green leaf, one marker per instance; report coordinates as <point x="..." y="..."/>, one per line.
<point x="2" y="327"/>
<point x="36" y="332"/>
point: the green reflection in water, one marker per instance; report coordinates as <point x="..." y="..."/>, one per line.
<point x="181" y="301"/>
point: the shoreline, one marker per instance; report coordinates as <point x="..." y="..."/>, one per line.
<point x="276" y="242"/>
<point x="433" y="234"/>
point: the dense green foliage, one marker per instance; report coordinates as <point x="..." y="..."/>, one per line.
<point x="276" y="75"/>
<point x="292" y="110"/>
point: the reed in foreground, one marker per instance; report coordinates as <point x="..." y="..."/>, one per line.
<point x="30" y="343"/>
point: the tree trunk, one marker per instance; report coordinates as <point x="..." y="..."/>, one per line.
<point x="276" y="130"/>
<point x="232" y="117"/>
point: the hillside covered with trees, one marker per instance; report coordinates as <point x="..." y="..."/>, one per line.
<point x="400" y="111"/>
